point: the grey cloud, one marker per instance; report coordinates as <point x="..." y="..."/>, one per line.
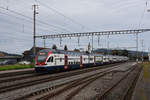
<point x="95" y="15"/>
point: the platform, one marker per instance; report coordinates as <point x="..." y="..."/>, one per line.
<point x="142" y="89"/>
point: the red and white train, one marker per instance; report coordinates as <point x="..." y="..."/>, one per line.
<point x="52" y="60"/>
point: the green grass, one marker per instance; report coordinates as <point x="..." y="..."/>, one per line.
<point x="14" y="67"/>
<point x="146" y="69"/>
<point x="2" y="60"/>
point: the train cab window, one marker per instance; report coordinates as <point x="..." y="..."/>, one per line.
<point x="50" y="59"/>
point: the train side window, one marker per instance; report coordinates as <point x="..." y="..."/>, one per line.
<point x="60" y="59"/>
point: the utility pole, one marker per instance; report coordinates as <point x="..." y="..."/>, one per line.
<point x="108" y="45"/>
<point x="34" y="30"/>
<point x="92" y="43"/>
<point x="60" y="42"/>
<point x="149" y="54"/>
<point x="98" y="41"/>
<point x="137" y="47"/>
<point x="142" y="50"/>
<point x="44" y="39"/>
<point x="78" y="41"/>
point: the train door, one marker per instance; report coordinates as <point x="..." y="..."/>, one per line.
<point x="81" y="62"/>
<point x="66" y="62"/>
<point x="94" y="60"/>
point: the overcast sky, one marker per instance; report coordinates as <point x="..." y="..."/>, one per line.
<point x="69" y="16"/>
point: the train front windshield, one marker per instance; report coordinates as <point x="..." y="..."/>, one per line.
<point x="41" y="57"/>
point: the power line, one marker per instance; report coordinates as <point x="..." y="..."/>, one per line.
<point x="142" y="16"/>
<point x="27" y="26"/>
<point x="16" y="17"/>
<point x="137" y="37"/>
<point x="61" y="14"/>
<point x="12" y="11"/>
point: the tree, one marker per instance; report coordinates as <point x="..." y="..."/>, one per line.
<point x="65" y="48"/>
<point x="125" y="52"/>
<point x="54" y="47"/>
<point x="87" y="52"/>
<point x="116" y="52"/>
<point x="76" y="50"/>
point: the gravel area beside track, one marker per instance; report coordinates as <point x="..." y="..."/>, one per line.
<point x="31" y="89"/>
<point x="98" y="87"/>
<point x="87" y="93"/>
<point x="51" y="84"/>
<point x="62" y="95"/>
<point x="37" y="78"/>
<point x="119" y="92"/>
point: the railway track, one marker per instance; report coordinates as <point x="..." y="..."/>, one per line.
<point x="8" y="77"/>
<point x="38" y="79"/>
<point x="77" y="84"/>
<point x="80" y="84"/>
<point x="124" y="96"/>
<point x="18" y="77"/>
<point x="16" y="73"/>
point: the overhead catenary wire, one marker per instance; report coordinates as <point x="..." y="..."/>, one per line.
<point x="143" y="13"/>
<point x="39" y="26"/>
<point x="29" y="21"/>
<point x="25" y="25"/>
<point x="61" y="14"/>
<point x="30" y="18"/>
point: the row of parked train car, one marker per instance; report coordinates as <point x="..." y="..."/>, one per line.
<point x="52" y="60"/>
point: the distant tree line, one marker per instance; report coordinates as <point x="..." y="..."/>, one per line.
<point x="120" y="53"/>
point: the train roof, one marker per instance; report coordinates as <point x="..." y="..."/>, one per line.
<point x="62" y="52"/>
<point x="69" y="52"/>
<point x="73" y="53"/>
